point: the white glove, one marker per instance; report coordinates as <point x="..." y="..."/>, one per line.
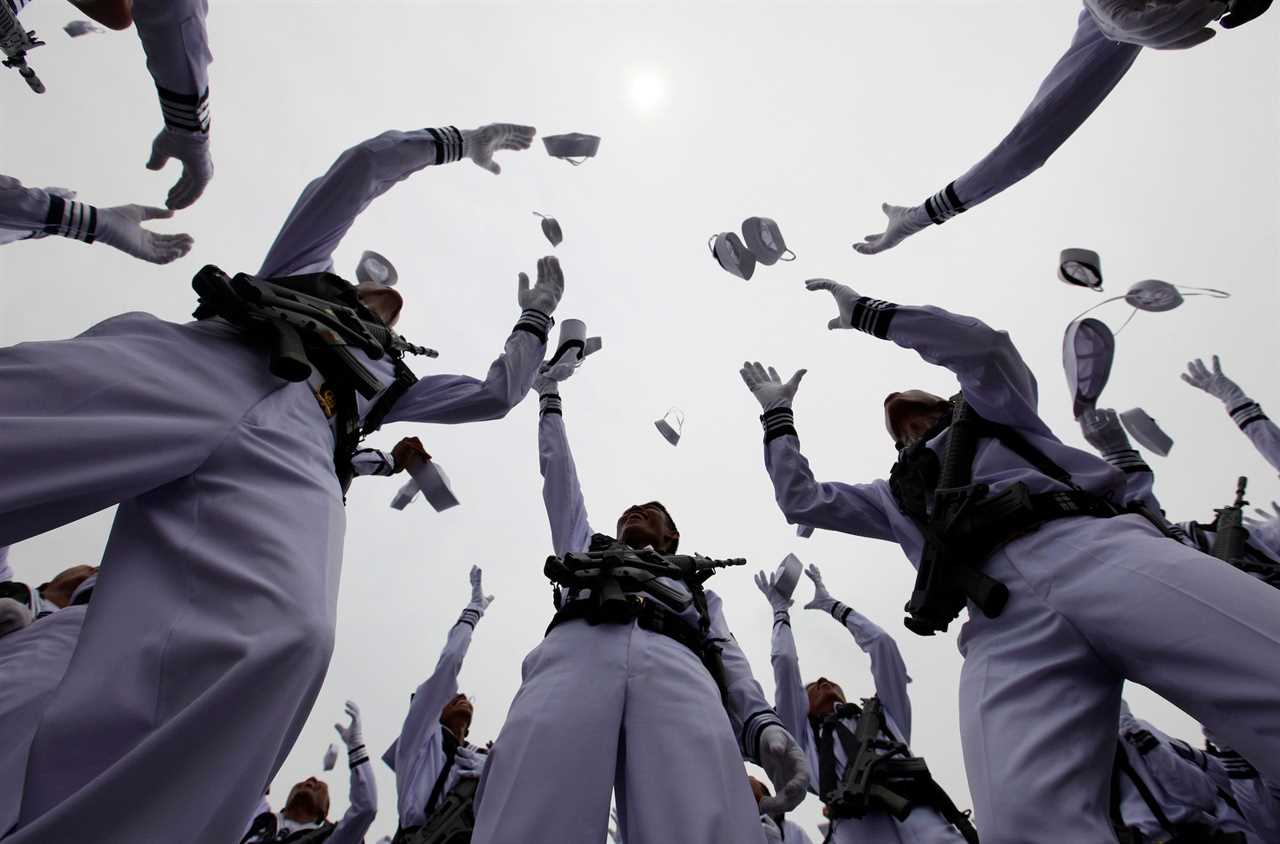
<point x="1103" y="431"/>
<point x="469" y="763"/>
<point x="1214" y="383"/>
<point x="121" y="227"/>
<point x="765" y="583"/>
<point x="13" y="616"/>
<point x="903" y="222"/>
<point x="1265" y="529"/>
<point x="1167" y="25"/>
<point x="845" y="297"/>
<point x="192" y="149"/>
<point x="351" y="736"/>
<point x="330" y="757"/>
<point x="767" y="386"/>
<point x="480" y="144"/>
<point x="788" y="770"/>
<point x="822" y="599"/>
<point x="546" y="291"/>
<point x="479" y="600"/>
<point x="772" y="835"/>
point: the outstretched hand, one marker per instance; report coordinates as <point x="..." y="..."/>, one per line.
<point x="902" y="223"/>
<point x="767" y="583"/>
<point x="767" y="385"/>
<point x="1213" y="382"/>
<point x="480" y="144"/>
<point x="822" y="599"/>
<point x="121" y="227"/>
<point x="192" y="149"/>
<point x="479" y="600"/>
<point x="845" y="297"/>
<point x="351" y="735"/>
<point x="545" y="293"/>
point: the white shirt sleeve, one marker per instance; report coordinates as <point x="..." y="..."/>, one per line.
<point x="749" y="710"/>
<point x="355" y="822"/>
<point x="789" y="697"/>
<point x="1258" y="427"/>
<point x="35" y="213"/>
<point x="1082" y="78"/>
<point x="561" y="492"/>
<point x="419" y="756"/>
<point x="888" y="669"/>
<point x="330" y="204"/>
<point x="176" y="42"/>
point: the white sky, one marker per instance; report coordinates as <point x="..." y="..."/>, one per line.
<point x="810" y="113"/>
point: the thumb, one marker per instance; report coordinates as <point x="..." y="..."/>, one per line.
<point x="157" y="159"/>
<point x="794" y="383"/>
<point x="833" y="324"/>
<point x="492" y="166"/>
<point x="152" y="213"/>
<point x="524" y="282"/>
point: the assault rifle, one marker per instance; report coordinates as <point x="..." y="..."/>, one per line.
<point x="625" y="568"/>
<point x="15" y="41"/>
<point x="296" y="323"/>
<point x="451" y="823"/>
<point x="866" y="785"/>
<point x="948" y="575"/>
<point x="1230" y="538"/>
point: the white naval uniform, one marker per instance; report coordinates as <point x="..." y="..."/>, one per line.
<point x="1258" y="427"/>
<point x="418" y="755"/>
<point x="615" y="707"/>
<point x="1258" y="799"/>
<point x="1181" y="780"/>
<point x="1090" y="605"/>
<point x="229" y="530"/>
<point x="888" y="670"/>
<point x="1076" y="85"/>
<point x="354" y="823"/>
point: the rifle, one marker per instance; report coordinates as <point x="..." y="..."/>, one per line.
<point x="452" y="822"/>
<point x="295" y="322"/>
<point x="638" y="570"/>
<point x="945" y="578"/>
<point x="1230" y="536"/>
<point x="15" y="41"/>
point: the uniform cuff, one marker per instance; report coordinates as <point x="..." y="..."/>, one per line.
<point x="1246" y="412"/>
<point x="1127" y="460"/>
<point x="944" y="205"/>
<point x="751" y="730"/>
<point x="69" y="218"/>
<point x="779" y="422"/>
<point x="535" y="322"/>
<point x="187" y="112"/>
<point x="781" y="616"/>
<point x="471" y="617"/>
<point x="357" y="755"/>
<point x="839" y="611"/>
<point x="448" y="144"/>
<point x="549" y="404"/>
<point x="372" y="461"/>
<point x="872" y="316"/>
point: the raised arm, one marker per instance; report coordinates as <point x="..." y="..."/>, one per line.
<point x="888" y="670"/>
<point x="176" y="42"/>
<point x="762" y="738"/>
<point x="32" y="212"/>
<point x="1085" y="75"/>
<point x="1103" y="431"/>
<point x="418" y="752"/>
<point x="453" y="399"/>
<point x="561" y="492"/>
<point x="850" y="508"/>
<point x="330" y="204"/>
<point x="1244" y="411"/>
<point x="993" y="377"/>
<point x="790" y="700"/>
<point x="355" y="822"/>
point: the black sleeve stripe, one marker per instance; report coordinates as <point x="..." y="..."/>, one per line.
<point x="1246" y="414"/>
<point x="188" y="112"/>
<point x="779" y="422"/>
<point x="944" y="205"/>
<point x="873" y="316"/>
<point x="448" y="144"/>
<point x="535" y="322"/>
<point x="72" y="219"/>
<point x="550" y="404"/>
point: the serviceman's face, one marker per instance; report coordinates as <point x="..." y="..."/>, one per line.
<point x="646" y="524"/>
<point x="309" y="798"/>
<point x="909" y="416"/>
<point x="457" y="713"/>
<point x="385" y="303"/>
<point x="824" y="696"/>
<point x="59" y="590"/>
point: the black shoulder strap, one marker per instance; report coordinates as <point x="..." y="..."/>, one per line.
<point x="263" y="828"/>
<point x="450" y="753"/>
<point x="404" y="379"/>
<point x="1123" y="767"/>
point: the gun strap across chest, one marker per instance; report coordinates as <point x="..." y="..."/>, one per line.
<point x="451" y="823"/>
<point x="302" y="341"/>
<point x="892" y="781"/>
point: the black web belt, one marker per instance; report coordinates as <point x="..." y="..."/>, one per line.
<point x="646" y="613"/>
